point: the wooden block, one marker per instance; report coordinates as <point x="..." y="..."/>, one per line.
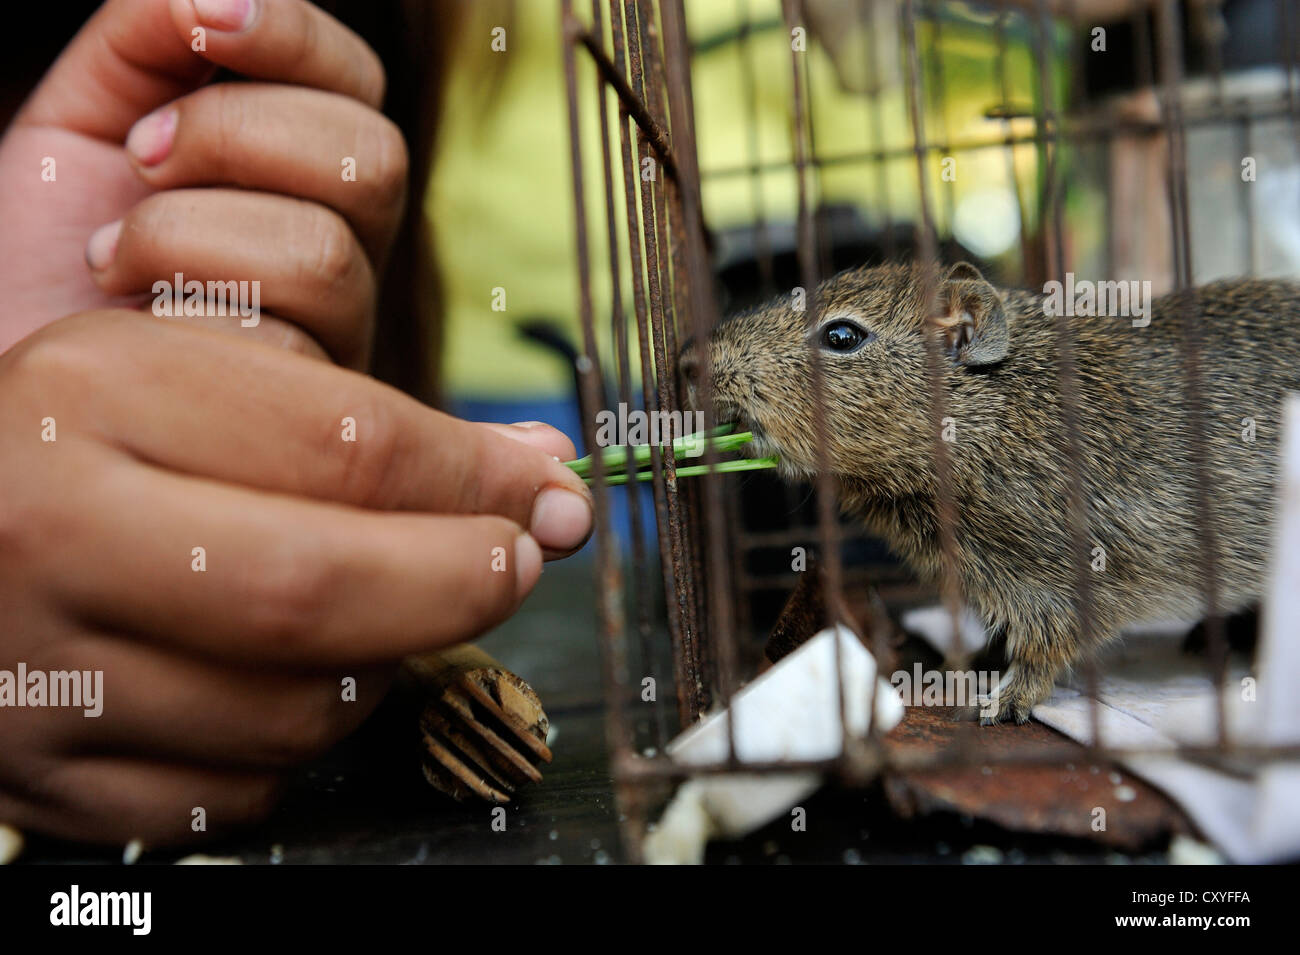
<point x="483" y="728"/>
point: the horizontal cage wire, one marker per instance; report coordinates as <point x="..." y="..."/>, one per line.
<point x="839" y="187"/>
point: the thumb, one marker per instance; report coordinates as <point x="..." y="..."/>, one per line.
<point x="127" y="60"/>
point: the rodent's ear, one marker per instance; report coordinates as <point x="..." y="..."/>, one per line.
<point x="966" y="271"/>
<point x="973" y="319"/>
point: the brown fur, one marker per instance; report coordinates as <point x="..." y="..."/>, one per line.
<point x="1009" y="462"/>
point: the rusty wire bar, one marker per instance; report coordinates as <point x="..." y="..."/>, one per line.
<point x="945" y="499"/>
<point x="1287" y="43"/>
<point x="645" y="63"/>
<point x="703" y="316"/>
<point x="807" y="122"/>
<point x="1144" y="78"/>
<point x="876" y="120"/>
<point x="938" y="90"/>
<point x="700" y="547"/>
<point x="829" y="565"/>
<point x="609" y="584"/>
<point x="666" y="273"/>
<point x="1077" y="132"/>
<point x="1167" y="30"/>
<point x="1077" y="497"/>
<point x="866" y="11"/>
<point x="749" y="83"/>
<point x="618" y="328"/>
<point x="1247" y="202"/>
<point x="653" y="131"/>
<point x="634" y="769"/>
<point x="651" y="396"/>
<point x="1007" y="110"/>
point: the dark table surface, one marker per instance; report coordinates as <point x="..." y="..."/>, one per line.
<point x="366" y="801"/>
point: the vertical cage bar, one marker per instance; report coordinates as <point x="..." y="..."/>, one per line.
<point x="665" y="278"/>
<point x="1077" y="496"/>
<point x="1167" y="30"/>
<point x="1008" y="111"/>
<point x="609" y="586"/>
<point x="945" y="504"/>
<point x="618" y="328"/>
<point x="703" y="311"/>
<point x="651" y="397"/>
<point x="749" y="83"/>
<point x="832" y="578"/>
<point x="939" y="105"/>
<point x="876" y="122"/>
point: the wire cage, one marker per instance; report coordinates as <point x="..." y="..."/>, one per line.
<point x="1076" y="155"/>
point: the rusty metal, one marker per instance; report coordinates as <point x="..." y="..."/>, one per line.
<point x="701" y="301"/>
<point x="1013" y="174"/>
<point x="609" y="598"/>
<point x="646" y="61"/>
<point x="876" y="121"/>
<point x="945" y="504"/>
<point x="619" y="333"/>
<point x="1073" y="131"/>
<point x="1057" y="794"/>
<point x="827" y="531"/>
<point x="1288" y="44"/>
<point x="1050" y="210"/>
<point x="1167" y="26"/>
<point x="932" y="762"/>
<point x="938" y="90"/>
<point x="682" y="615"/>
<point x="762" y="246"/>
<point x="653" y="132"/>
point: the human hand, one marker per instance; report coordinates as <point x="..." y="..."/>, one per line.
<point x="157" y="170"/>
<point x="321" y="559"/>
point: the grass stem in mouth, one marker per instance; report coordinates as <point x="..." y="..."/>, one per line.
<point x="723" y="439"/>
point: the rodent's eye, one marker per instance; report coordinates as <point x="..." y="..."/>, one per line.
<point x="844" y="336"/>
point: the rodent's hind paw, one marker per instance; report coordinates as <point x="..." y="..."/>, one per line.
<point x="1014" y="697"/>
<point x="995" y="711"/>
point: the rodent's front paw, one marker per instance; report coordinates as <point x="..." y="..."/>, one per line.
<point x="1014" y="696"/>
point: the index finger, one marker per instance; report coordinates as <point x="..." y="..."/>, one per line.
<point x="205" y="403"/>
<point x="133" y="56"/>
<point x="284" y="41"/>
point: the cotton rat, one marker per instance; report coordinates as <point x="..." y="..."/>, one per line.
<point x="1008" y="448"/>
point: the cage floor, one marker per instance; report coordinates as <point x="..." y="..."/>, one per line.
<point x="365" y="802"/>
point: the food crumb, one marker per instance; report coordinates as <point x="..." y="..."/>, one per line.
<point x="200" y="859"/>
<point x="11" y="844"/>
<point x="982" y="855"/>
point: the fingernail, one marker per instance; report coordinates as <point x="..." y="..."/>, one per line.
<point x="528" y="425"/>
<point x="150" y="139"/>
<point x="228" y="15"/>
<point x="528" y="564"/>
<point x="561" y="519"/>
<point x="102" y="246"/>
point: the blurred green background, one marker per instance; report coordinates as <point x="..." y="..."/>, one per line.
<point x="500" y="202"/>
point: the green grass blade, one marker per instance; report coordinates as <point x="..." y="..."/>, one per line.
<point x="689" y="446"/>
<point x="697" y="470"/>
